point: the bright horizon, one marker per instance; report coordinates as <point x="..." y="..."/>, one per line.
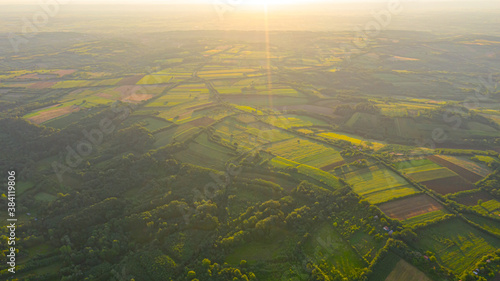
<point x="205" y="2"/>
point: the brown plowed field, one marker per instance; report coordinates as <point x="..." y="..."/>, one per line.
<point x="406" y="208"/>
<point x="448" y="185"/>
<point x="466" y="174"/>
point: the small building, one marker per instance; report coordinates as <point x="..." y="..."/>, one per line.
<point x="386" y="228"/>
<point x="426" y="257"/>
<point x="390" y="232"/>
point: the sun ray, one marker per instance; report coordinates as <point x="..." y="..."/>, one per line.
<point x="268" y="55"/>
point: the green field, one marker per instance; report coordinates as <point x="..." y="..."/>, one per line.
<point x="326" y="244"/>
<point x="489" y="206"/>
<point x="306" y="152"/>
<point x="406" y="127"/>
<point x="266" y="250"/>
<point x="366" y="245"/>
<point x="421" y="170"/>
<point x="204" y="152"/>
<point x="319" y="175"/>
<point x="491" y="225"/>
<point x="290" y="121"/>
<point x="384" y="267"/>
<point x="405" y="271"/>
<point x="431" y="174"/>
<point x="66" y="120"/>
<point x="179" y="133"/>
<point x="468" y="164"/>
<point x="46" y="197"/>
<point x="363" y="120"/>
<point x="22" y="187"/>
<point x="351" y="138"/>
<point x="154" y="124"/>
<point x="181" y="94"/>
<point x="378" y="184"/>
<point x="425" y="217"/>
<point x="250" y="135"/>
<point x="457" y="245"/>
<point x="283" y="163"/>
<point x="186" y="112"/>
<point x="415" y="165"/>
<point x="226" y="73"/>
<point x="254" y="146"/>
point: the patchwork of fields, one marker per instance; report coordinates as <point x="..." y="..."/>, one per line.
<point x="457" y="245"/>
<point x="305" y="151"/>
<point x="378" y="184"/>
<point x="437" y="174"/>
<point x="412" y="206"/>
<point x="326" y="244"/>
<point x="288" y="118"/>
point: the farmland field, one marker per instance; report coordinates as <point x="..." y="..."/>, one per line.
<point x="468" y="164"/>
<point x="384" y="267"/>
<point x="424" y="218"/>
<point x="203" y="151"/>
<point x="429" y="175"/>
<point x="457" y="245"/>
<point x="405" y="271"/>
<point x="264" y="250"/>
<point x="225" y="73"/>
<point x="489" y="224"/>
<point x="351" y="138"/>
<point x="290" y="121"/>
<point x="406" y="127"/>
<point x="366" y="245"/>
<point x="178" y="133"/>
<point x="409" y="207"/>
<point x="154" y="124"/>
<point x="319" y="175"/>
<point x="261" y="100"/>
<point x="468" y="170"/>
<point x="415" y="165"/>
<point x="472" y="199"/>
<point x="378" y="184"/>
<point x="448" y="185"/>
<point x="249" y="135"/>
<point x="327" y="244"/>
<point x="490" y="206"/>
<point x="51" y="113"/>
<point x="276" y="142"/>
<point x="306" y="152"/>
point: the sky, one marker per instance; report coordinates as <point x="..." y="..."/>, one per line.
<point x="236" y="2"/>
